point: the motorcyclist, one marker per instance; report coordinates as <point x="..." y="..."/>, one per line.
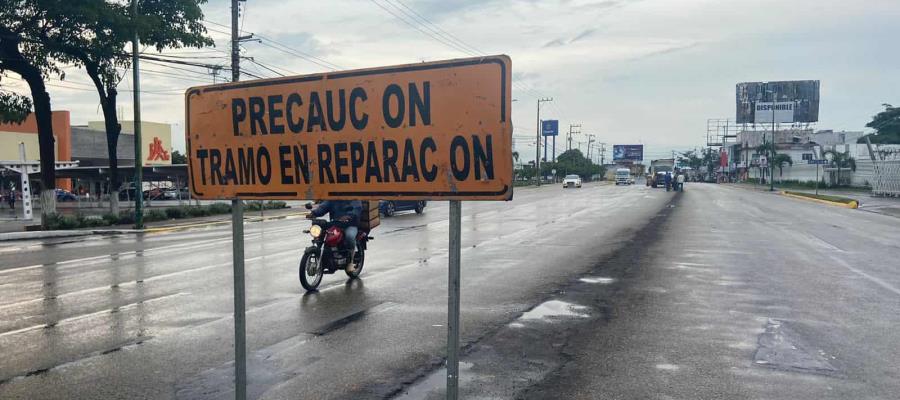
<point x="346" y="211"/>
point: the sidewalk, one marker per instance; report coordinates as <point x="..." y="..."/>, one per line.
<point x="867" y="202"/>
<point x="14" y="230"/>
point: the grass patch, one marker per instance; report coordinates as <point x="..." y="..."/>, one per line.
<point x="836" y="199"/>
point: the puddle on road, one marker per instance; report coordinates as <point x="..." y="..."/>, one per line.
<point x="598" y="279"/>
<point x="667" y="367"/>
<point x="555" y="309"/>
<point x="434" y="383"/>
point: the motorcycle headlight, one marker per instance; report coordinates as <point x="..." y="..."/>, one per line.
<point x="315" y="231"/>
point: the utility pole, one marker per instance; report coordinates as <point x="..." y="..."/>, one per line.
<point x="235" y="42"/>
<point x="602" y="153"/>
<point x="237" y="240"/>
<point x="590" y="140"/>
<point x="537" y="155"/>
<point x="138" y="158"/>
<point x="571" y="132"/>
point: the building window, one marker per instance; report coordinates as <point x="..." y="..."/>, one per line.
<point x="807" y="156"/>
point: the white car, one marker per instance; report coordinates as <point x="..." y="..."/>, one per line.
<point x="572" y="181"/>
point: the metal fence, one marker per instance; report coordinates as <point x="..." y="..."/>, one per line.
<point x="886" y="178"/>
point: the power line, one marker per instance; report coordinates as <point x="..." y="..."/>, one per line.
<point x="436" y="26"/>
<point x="426" y="33"/>
<point x="284" y="48"/>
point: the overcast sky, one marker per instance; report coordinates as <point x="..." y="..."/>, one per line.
<point x="629" y="71"/>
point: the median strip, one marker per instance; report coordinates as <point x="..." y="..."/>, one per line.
<point x="845" y="202"/>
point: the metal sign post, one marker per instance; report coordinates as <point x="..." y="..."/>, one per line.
<point x="240" y="321"/>
<point x="453" y="301"/>
<point x="400" y="137"/>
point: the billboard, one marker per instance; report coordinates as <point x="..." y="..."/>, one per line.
<point x="549" y="127"/>
<point x="782" y="111"/>
<point x="794" y="101"/>
<point x="628" y="152"/>
<point x="438" y="130"/>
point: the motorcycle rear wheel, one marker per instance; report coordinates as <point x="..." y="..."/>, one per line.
<point x="360" y="257"/>
<point x="311" y="263"/>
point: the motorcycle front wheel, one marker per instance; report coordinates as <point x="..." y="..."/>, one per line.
<point x="310" y="271"/>
<point x="360" y="258"/>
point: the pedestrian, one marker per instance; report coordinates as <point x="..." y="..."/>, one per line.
<point x="680" y="182"/>
<point x="11" y="199"/>
<point x="668" y="181"/>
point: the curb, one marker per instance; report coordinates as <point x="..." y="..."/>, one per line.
<point x="74" y="233"/>
<point x="41" y="235"/>
<point x="853" y="204"/>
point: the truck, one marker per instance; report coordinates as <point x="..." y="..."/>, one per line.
<point x="658" y="170"/>
<point x="623" y="176"/>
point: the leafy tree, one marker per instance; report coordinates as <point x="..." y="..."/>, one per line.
<point x="886" y="125"/>
<point x="22" y="24"/>
<point x="99" y="45"/>
<point x="178" y="158"/>
<point x="14" y="108"/>
<point x="693" y="160"/>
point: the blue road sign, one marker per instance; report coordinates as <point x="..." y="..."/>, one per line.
<point x="549" y="127"/>
<point x="819" y="162"/>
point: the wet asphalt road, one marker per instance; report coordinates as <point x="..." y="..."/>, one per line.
<point x="746" y="295"/>
<point x="605" y="292"/>
<point x="150" y="316"/>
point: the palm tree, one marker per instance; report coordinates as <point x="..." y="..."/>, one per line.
<point x="779" y="161"/>
<point x="840" y="160"/>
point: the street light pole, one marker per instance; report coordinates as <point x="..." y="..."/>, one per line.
<point x="537" y="155"/>
<point x="136" y="124"/>
<point x="772" y="161"/>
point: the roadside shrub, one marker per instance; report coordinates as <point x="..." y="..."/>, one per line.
<point x="126" y="218"/>
<point x="267" y="205"/>
<point x="219" y="208"/>
<point x="194" y="211"/>
<point x="176" y="212"/>
<point x="59" y="221"/>
<point x="110" y="218"/>
<point x="155" y="215"/>
<point x="275" y="204"/>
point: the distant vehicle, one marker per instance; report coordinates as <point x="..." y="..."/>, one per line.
<point x="175" y="194"/>
<point x="623" y="176"/>
<point x="389" y="207"/>
<point x="658" y="170"/>
<point x="65" y="195"/>
<point x="572" y="181"/>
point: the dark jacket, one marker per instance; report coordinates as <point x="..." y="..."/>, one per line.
<point x="339" y="208"/>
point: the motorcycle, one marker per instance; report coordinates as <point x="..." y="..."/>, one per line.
<point x="328" y="253"/>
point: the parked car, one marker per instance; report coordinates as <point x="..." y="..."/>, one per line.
<point x="65" y="195"/>
<point x="175" y="194"/>
<point x="572" y="181"/>
<point x="389" y="207"/>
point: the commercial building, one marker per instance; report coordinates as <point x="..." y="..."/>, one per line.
<point x="11" y="135"/>
<point x="87" y="145"/>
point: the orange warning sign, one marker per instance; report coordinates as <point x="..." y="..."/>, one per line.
<point x="438" y="130"/>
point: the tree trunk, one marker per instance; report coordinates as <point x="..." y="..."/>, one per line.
<point x="46" y="141"/>
<point x="112" y="141"/>
<point x="107" y="94"/>
<point x="12" y="59"/>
